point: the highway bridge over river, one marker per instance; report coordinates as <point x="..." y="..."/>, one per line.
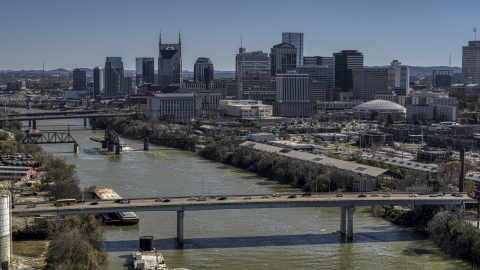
<point x="347" y="203"/>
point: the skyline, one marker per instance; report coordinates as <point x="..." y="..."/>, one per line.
<point x="82" y="34"/>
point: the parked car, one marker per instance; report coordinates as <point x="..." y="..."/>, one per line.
<point x="93" y="203"/>
<point x="339" y="195"/>
<point x="291" y="196"/>
<point x="31" y="205"/>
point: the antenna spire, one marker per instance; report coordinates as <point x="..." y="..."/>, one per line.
<point x="241" y="41"/>
<point x="179" y="37"/>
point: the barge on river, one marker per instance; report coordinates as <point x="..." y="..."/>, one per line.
<point x="116" y="218"/>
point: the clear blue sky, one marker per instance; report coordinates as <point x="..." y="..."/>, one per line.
<point x="80" y="34"/>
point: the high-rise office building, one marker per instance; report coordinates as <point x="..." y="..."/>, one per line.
<point x="98" y="81"/>
<point x="114" y="77"/>
<point x="399" y="78"/>
<point x="252" y="70"/>
<point x="442" y="78"/>
<point x="79" y="79"/>
<point x="127" y="86"/>
<point x="320" y="73"/>
<point x="296" y="39"/>
<point x="169" y="63"/>
<point x="144" y="70"/>
<point x="293" y="94"/>
<point x="471" y="63"/>
<point x="369" y="81"/>
<point x="318" y="60"/>
<point x="203" y="71"/>
<point x="345" y="62"/>
<point x="283" y="57"/>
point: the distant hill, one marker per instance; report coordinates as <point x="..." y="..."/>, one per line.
<point x="414" y="70"/>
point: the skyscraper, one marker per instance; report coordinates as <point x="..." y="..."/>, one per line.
<point x="253" y="76"/>
<point x="144" y="70"/>
<point x="169" y="63"/>
<point x="318" y="60"/>
<point x="442" y="78"/>
<point x="471" y="63"/>
<point x="98" y="81"/>
<point x="320" y="73"/>
<point x="114" y="77"/>
<point x="399" y="78"/>
<point x="203" y="71"/>
<point x="283" y="57"/>
<point x="296" y="39"/>
<point x="127" y="86"/>
<point x="345" y="61"/>
<point x="79" y="79"/>
<point x="293" y="94"/>
<point x="369" y="81"/>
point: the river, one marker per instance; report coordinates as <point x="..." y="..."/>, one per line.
<point x="297" y="238"/>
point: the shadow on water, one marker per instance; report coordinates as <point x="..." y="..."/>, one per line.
<point x="255" y="241"/>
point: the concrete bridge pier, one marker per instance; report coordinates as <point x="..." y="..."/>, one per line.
<point x="93" y="123"/>
<point x="104" y="144"/>
<point x="350" y="211"/>
<point x="117" y="149"/>
<point x="110" y="146"/>
<point x="146" y="145"/>
<point x="85" y="122"/>
<point x="343" y="220"/>
<point x="75" y="148"/>
<point x="180" y="216"/>
<point x="29" y="123"/>
<point x="34" y="124"/>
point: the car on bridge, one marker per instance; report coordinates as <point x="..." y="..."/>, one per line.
<point x="247" y="197"/>
<point x="339" y="195"/>
<point x="192" y="199"/>
<point x="93" y="203"/>
<point x="201" y="198"/>
<point x="222" y="198"/>
<point x="374" y="195"/>
<point x="277" y="195"/>
<point x="388" y="194"/>
<point x="158" y="199"/>
<point x="265" y="197"/>
<point x="292" y="196"/>
<point x="362" y="195"/>
<point x="306" y="194"/>
<point x="125" y="201"/>
<point x="412" y="195"/>
<point x="166" y="200"/>
<point x="31" y="205"/>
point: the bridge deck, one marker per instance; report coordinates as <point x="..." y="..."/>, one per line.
<point x="238" y="202"/>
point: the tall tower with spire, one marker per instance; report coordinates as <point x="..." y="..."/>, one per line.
<point x="170" y="63"/>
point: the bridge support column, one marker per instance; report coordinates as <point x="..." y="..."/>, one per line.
<point x="350" y="211"/>
<point x="34" y="124"/>
<point x="75" y="148"/>
<point x="180" y="216"/>
<point x="85" y="122"/>
<point x="343" y="220"/>
<point x="93" y="123"/>
<point x="104" y="144"/>
<point x="29" y="123"/>
<point x="110" y="146"/>
<point x="117" y="149"/>
<point x="146" y="145"/>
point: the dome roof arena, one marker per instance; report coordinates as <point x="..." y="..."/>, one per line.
<point x="379" y="105"/>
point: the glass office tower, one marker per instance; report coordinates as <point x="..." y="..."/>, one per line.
<point x="144" y="70"/>
<point x="114" y="77"/>
<point x="296" y="39"/>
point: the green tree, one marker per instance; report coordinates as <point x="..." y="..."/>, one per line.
<point x="469" y="185"/>
<point x="317" y="141"/>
